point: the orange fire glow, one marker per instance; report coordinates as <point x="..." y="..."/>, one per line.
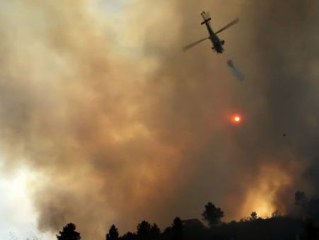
<point x="236" y="119"/>
<point x="261" y="197"/>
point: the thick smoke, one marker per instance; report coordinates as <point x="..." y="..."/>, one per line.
<point x="286" y="39"/>
<point x="98" y="98"/>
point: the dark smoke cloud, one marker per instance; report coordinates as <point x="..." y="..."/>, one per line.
<point x="124" y="126"/>
<point x="285" y="38"/>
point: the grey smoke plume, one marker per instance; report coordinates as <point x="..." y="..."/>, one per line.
<point x="122" y="126"/>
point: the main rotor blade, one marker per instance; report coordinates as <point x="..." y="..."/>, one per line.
<point x="194" y="44"/>
<point x="228" y="25"/>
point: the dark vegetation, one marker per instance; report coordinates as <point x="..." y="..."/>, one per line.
<point x="303" y="225"/>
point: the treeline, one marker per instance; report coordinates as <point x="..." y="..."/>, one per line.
<point x="301" y="227"/>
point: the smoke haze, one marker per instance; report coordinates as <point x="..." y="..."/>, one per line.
<point x="121" y="125"/>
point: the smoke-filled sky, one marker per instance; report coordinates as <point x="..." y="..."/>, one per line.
<point x="104" y="119"/>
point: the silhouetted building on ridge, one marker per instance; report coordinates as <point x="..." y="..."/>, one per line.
<point x="192" y="223"/>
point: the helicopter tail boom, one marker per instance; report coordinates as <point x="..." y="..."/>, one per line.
<point x="206" y="17"/>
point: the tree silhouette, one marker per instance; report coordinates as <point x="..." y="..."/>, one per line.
<point x="144" y="230"/>
<point x="253" y="216"/>
<point x="212" y="214"/>
<point x="301" y="199"/>
<point x="313" y="209"/>
<point x="69" y="233"/>
<point x="155" y="232"/>
<point x="177" y="229"/>
<point x="113" y="233"/>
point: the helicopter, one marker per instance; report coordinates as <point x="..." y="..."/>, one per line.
<point x="213" y="37"/>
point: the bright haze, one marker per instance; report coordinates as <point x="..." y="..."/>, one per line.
<point x="109" y="121"/>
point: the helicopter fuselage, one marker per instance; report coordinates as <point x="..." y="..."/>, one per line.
<point x="217" y="43"/>
<point x="213" y="35"/>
